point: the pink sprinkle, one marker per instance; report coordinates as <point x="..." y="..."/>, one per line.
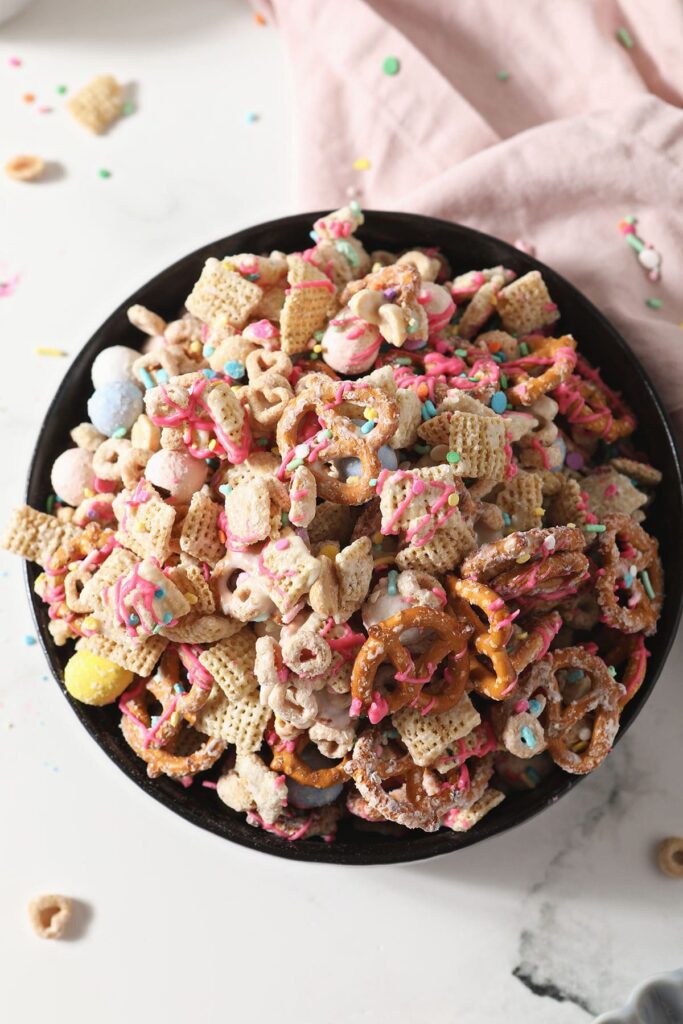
<point x="44" y="110"/>
<point x="282" y="544"/>
<point x="14" y="62"/>
<point x="355" y="709"/>
<point x="209" y="785"/>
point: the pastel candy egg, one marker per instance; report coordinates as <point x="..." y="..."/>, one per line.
<point x="95" y="680"/>
<point x="304" y="797"/>
<point x="72" y="475"/>
<point x="388" y="457"/>
<point x="350" y="345"/>
<point x="114" y="363"/>
<point x="114" y="406"/>
<point x="437" y="304"/>
<point x="176" y="472"/>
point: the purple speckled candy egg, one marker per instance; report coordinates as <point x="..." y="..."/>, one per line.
<point x="115" y="406"/>
<point x="72" y="475"/>
<point x="176" y="472"/>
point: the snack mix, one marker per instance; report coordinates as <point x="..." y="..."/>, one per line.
<point x="354" y="535"/>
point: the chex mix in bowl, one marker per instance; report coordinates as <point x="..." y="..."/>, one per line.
<point x="353" y="537"/>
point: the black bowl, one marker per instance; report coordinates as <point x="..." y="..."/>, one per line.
<point x="465" y="249"/>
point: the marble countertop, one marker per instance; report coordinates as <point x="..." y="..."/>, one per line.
<point x="549" y="924"/>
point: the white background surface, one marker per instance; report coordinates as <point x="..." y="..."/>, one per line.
<point x="178" y="925"/>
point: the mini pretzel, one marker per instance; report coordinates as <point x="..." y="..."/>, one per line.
<point x="557" y="354"/>
<point x="423" y="796"/>
<point x="69" y="568"/>
<point x="640" y="551"/>
<point x="165" y="686"/>
<point x="586" y="405"/>
<point x="603" y="698"/>
<point x="549" y="578"/>
<point x="330" y="403"/>
<point x="536" y="644"/>
<point x="135" y="725"/>
<point x="491" y="642"/>
<point x="516" y="550"/>
<point x="290" y="762"/>
<point x="630" y="654"/>
<point x="413" y="679"/>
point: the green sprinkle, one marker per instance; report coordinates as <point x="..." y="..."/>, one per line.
<point x="502" y="76"/>
<point x="295" y="463"/>
<point x="347" y="250"/>
<point x="104" y="173"/>
<point x="645" y="577"/>
<point x="574" y="675"/>
<point x="462" y="352"/>
<point x="453" y="458"/>
<point x="612" y="671"/>
<point x="262" y="441"/>
<point x="594" y="528"/>
<point x="327" y="433"/>
<point x="354" y="207"/>
<point x="524" y="348"/>
<point x="422" y="449"/>
<point x="635" y="243"/>
<point x="392" y="580"/>
<point x="412" y="327"/>
<point x="403" y="361"/>
<point x="119" y="432"/>
<point x="503" y="380"/>
<point x="625" y="38"/>
<point x="157" y="628"/>
<point x="391" y="65"/>
<point x="50" y="504"/>
<point x="318" y="335"/>
<point x="654" y="303"/>
<point x="284" y="519"/>
<point x="61" y="90"/>
<point x="128" y="109"/>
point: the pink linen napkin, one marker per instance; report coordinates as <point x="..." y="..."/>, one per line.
<point x="527" y="120"/>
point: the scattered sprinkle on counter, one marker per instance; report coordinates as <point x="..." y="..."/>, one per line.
<point x="502" y="76"/>
<point x="44" y="350"/>
<point x="625" y="38"/>
<point x="128" y="108"/>
<point x="61" y="90"/>
<point x="391" y="65"/>
<point x="28" y="97"/>
<point x="260" y="20"/>
<point x="103" y="173"/>
<point x="15" y="62"/>
<point x="30" y="640"/>
<point x="252" y="117"/>
<point x="361" y="164"/>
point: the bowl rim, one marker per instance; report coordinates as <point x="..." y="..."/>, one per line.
<point x="411" y="848"/>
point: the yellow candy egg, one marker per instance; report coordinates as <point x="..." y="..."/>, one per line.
<point x="95" y="680"/>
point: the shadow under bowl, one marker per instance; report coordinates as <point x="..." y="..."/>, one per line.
<point x="465" y="248"/>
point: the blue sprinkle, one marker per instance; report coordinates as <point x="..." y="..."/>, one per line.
<point x="30" y="641"/>
<point x="133" y="620"/>
<point x="574" y="675"/>
<point x="209" y="374"/>
<point x="162" y="376"/>
<point x="347" y="250"/>
<point x="628" y="579"/>
<point x="534" y="706"/>
<point x="502" y="358"/>
<point x="506" y="519"/>
<point x="225" y="489"/>
<point x="168" y="617"/>
<point x="354" y="207"/>
<point x="252" y="277"/>
<point x="208" y="350"/>
<point x="177" y="688"/>
<point x="234" y="369"/>
<point x="392" y="578"/>
<point x="252" y="117"/>
<point x="532" y="775"/>
<point x="373" y="481"/>
<point x="368" y="426"/>
<point x="259" y="618"/>
<point x="153" y="720"/>
<point x="499" y="402"/>
<point x="527" y="736"/>
<point x="313" y="235"/>
<point x="612" y="670"/>
<point x="160" y="592"/>
<point x="147" y="378"/>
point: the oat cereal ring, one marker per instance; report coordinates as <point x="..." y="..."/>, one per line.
<point x="630" y="654"/>
<point x="518" y="548"/>
<point x="263" y="360"/>
<point x="290" y="763"/>
<point x="336" y="437"/>
<point x="490" y="642"/>
<point x="670" y="856"/>
<point x="49" y="915"/>
<point x="107" y="460"/>
<point x="602" y="699"/>
<point x="137" y="728"/>
<point x="557" y="354"/>
<point x="413" y="679"/>
<point x="631" y="566"/>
